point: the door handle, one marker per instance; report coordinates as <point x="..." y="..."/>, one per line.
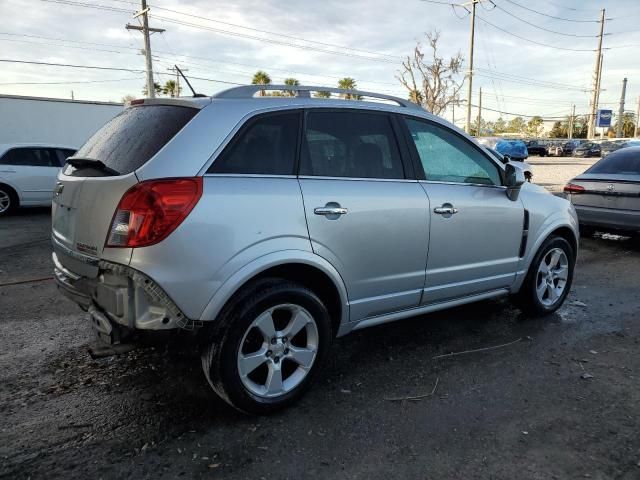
<point x="446" y="209"/>
<point x="7" y="171"/>
<point x="330" y="211"/>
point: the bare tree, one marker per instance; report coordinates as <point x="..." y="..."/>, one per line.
<point x="432" y="82"/>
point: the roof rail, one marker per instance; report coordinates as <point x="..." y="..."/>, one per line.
<point x="302" y="91"/>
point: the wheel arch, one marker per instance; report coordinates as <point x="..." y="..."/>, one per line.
<point x="306" y="268"/>
<point x="566" y="230"/>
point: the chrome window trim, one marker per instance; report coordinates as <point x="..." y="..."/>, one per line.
<point x="358" y="179"/>
<point x="247" y="175"/>
<point x="311" y="177"/>
<point x="500" y="187"/>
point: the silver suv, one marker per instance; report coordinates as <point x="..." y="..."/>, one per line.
<point x="270" y="225"/>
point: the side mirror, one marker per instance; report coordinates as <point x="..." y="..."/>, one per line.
<point x="514" y="179"/>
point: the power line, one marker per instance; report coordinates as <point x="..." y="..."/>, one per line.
<point x="381" y="57"/>
<point x="6" y="60"/>
<point x="274" y="41"/>
<point x="533" y="41"/>
<point x="551" y="16"/>
<point x="136" y="51"/>
<point x="72" y="82"/>
<point x="293" y="37"/>
<point x="96" y="67"/>
<point x="513" y="76"/>
<point x="542" y="28"/>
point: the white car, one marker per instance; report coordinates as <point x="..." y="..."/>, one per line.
<point x="28" y="174"/>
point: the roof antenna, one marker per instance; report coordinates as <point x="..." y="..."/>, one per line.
<point x="190" y="87"/>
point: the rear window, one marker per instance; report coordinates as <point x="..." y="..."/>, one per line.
<point x="620" y="162"/>
<point x="130" y="139"/>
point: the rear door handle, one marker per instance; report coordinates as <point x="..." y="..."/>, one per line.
<point x="7" y="171"/>
<point x="446" y="209"/>
<point x="330" y="211"/>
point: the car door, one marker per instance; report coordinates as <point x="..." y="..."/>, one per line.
<point x="476" y="231"/>
<point x="33" y="170"/>
<point x="365" y="213"/>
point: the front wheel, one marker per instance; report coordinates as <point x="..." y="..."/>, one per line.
<point x="268" y="346"/>
<point x="549" y="277"/>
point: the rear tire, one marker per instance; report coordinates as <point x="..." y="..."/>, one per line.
<point x="549" y="278"/>
<point x="267" y="346"/>
<point x="8" y="200"/>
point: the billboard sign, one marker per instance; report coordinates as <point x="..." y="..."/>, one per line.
<point x="603" y="118"/>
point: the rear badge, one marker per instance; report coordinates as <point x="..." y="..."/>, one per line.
<point x="610" y="187"/>
<point x="84" y="248"/>
<point x="59" y="188"/>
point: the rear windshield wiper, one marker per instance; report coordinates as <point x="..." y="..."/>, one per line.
<point x="86" y="162"/>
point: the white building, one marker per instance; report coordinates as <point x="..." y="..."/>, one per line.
<point x="52" y="120"/>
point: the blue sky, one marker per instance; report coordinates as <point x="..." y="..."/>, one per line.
<point x="378" y="32"/>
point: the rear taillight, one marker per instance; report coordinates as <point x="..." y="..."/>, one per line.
<point x="149" y="211"/>
<point x="573" y="188"/>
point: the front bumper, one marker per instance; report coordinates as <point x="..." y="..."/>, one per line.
<point x="121" y="295"/>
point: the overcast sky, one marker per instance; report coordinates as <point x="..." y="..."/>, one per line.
<point x="377" y="32"/>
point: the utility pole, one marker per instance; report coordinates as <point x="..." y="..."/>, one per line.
<point x="145" y="29"/>
<point x="596" y="79"/>
<point x="573" y="114"/>
<point x="470" y="85"/>
<point x="637" y="132"/>
<point x="621" y="109"/>
<point x="175" y="70"/>
<point x="479" y="129"/>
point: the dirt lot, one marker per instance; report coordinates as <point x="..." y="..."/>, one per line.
<point x="562" y="402"/>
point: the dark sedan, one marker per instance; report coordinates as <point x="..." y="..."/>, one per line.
<point x="587" y="150"/>
<point x="607" y="195"/>
<point x="536" y="147"/>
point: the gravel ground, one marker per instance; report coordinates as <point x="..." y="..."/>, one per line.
<point x="554" y="172"/>
<point x="561" y="401"/>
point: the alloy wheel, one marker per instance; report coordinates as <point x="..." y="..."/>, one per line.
<point x="278" y="350"/>
<point x="552" y="276"/>
<point x="5" y="201"/>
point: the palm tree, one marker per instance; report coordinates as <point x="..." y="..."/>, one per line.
<point x="322" y="94"/>
<point x="156" y="86"/>
<point x="348" y="83"/>
<point x="292" y="82"/>
<point x="261" y="78"/>
<point x="171" y="88"/>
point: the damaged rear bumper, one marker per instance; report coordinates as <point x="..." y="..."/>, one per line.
<point x="120" y="295"/>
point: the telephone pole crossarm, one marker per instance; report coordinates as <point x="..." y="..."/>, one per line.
<point x="145" y="29"/>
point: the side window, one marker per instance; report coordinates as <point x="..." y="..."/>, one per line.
<point x="267" y="146"/>
<point x="16" y="156"/>
<point x="350" y="144"/>
<point x="447" y="157"/>
<point x="63" y="154"/>
<point x="32" y="157"/>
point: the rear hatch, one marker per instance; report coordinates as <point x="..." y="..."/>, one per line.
<point x="94" y="180"/>
<point x="618" y="191"/>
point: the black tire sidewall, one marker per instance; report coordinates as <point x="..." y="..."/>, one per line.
<point x="529" y="297"/>
<point x="223" y="368"/>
